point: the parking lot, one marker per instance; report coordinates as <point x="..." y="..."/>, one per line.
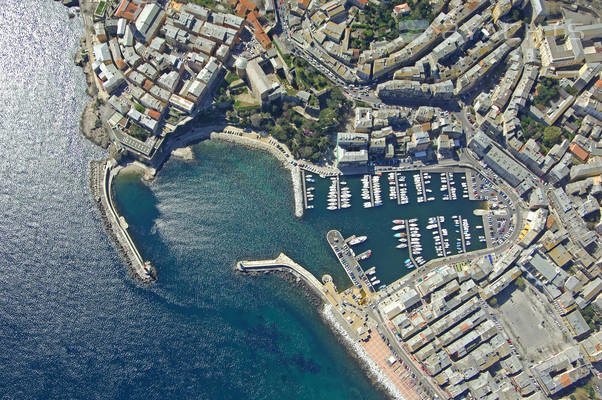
<point x="499" y="221"/>
<point x="531" y="325"/>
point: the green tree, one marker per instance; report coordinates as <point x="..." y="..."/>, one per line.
<point x="552" y="135"/>
<point x="520" y="283"/>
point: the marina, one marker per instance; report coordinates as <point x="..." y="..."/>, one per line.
<point x="394" y="231"/>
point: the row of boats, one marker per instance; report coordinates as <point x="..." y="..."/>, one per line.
<point x="448" y="187"/>
<point x="371" y="191"/>
<point x="370" y="272"/>
<point x="398" y="188"/>
<point x="309" y="190"/>
<point x="439" y="235"/>
<point x="464" y="187"/>
<point x="339" y="195"/>
<point x="423" y="193"/>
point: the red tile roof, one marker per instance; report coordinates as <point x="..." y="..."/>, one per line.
<point x="154" y="114"/>
<point x="578" y="151"/>
<point x="126" y="9"/>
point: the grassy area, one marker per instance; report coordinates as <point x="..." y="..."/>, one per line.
<point x="100" y="8"/>
<point x="585" y="392"/>
<point x="546" y="136"/>
<point x="205" y="3"/>
<point x="231" y="77"/>
<point x="589" y="314"/>
<point x="307" y="77"/>
<point x="139" y="108"/>
<point x="137" y="132"/>
<point x="307" y="139"/>
<point x="242" y="107"/>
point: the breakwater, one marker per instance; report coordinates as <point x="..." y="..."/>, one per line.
<point x="284" y="263"/>
<point x="101" y="178"/>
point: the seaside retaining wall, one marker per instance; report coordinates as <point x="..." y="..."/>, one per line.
<point x="101" y="179"/>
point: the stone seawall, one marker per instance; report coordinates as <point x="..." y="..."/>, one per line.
<point x="101" y="177"/>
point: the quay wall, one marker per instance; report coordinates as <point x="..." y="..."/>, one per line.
<point x="285" y="159"/>
<point x="101" y="179"/>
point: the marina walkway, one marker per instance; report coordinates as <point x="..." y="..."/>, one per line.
<point x="441" y="237"/>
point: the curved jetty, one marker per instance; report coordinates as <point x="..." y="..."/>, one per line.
<point x="101" y="180"/>
<point x="284" y="263"/>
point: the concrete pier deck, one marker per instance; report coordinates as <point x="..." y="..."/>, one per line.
<point x="441" y="237"/>
<point x="409" y="237"/>
<point x="285" y="264"/>
<point x="397" y="191"/>
<point x="347" y="259"/>
<point x="304" y="189"/>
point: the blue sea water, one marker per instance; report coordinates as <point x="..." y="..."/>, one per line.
<point x="73" y="324"/>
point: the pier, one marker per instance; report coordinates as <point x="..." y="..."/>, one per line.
<point x="486" y="229"/>
<point x="424" y="195"/>
<point x="409" y="236"/>
<point x="102" y="182"/>
<point x="441" y="237"/>
<point x="397" y="192"/>
<point x="371" y="189"/>
<point x="462" y="234"/>
<point x="284" y="263"/>
<point x="449" y="187"/>
<point x="338" y="183"/>
<point x="304" y="189"/>
<point x="347" y="259"/>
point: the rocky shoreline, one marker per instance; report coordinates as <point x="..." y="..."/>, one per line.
<point x="379" y="380"/>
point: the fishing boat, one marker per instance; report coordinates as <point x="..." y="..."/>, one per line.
<point x="358" y="240"/>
